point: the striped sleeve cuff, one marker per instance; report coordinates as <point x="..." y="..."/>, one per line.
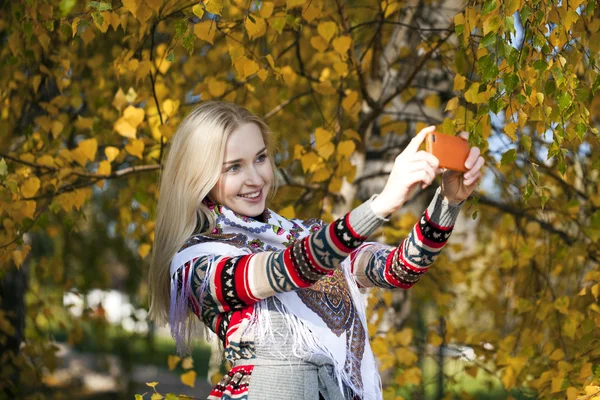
<point x="363" y="220"/>
<point x="441" y="212"/>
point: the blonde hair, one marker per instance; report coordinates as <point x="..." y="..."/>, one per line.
<point x="192" y="168"/>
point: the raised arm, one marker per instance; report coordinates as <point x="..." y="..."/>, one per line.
<point x="233" y="282"/>
<point x="374" y="264"/>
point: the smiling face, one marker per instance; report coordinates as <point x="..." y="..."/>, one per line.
<point x="246" y="173"/>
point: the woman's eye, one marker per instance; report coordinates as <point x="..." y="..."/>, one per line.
<point x="234" y="167"/>
<point x="262" y="158"/>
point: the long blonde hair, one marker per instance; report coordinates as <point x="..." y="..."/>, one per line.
<point x="191" y="170"/>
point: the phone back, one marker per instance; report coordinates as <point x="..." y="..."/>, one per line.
<point x="452" y="151"/>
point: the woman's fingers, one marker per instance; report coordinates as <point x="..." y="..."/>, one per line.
<point x="476" y="168"/>
<point x="471" y="180"/>
<point x="430" y="158"/>
<point x="415" y="143"/>
<point x="472" y="158"/>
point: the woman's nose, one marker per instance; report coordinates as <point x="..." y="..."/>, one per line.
<point x="253" y="177"/>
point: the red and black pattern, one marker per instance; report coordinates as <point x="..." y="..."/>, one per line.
<point x="233" y="385"/>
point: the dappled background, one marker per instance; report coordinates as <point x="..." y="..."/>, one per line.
<point x="92" y="92"/>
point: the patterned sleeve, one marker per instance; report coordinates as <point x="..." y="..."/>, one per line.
<point x="233" y="282"/>
<point x="375" y="264"/>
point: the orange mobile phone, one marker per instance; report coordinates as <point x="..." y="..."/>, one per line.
<point x="452" y="151"/>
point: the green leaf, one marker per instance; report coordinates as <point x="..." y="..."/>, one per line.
<point x="488" y="7"/>
<point x="188" y="43"/>
<point x="98" y="18"/>
<point x="489" y="40"/>
<point x="66" y="6"/>
<point x="511" y="81"/>
<point x="139" y="397"/>
<point x="509" y="24"/>
<point x="564" y="101"/>
<point x="3" y="168"/>
<point x="509" y="157"/>
<point x="171" y="396"/>
<point x="100" y="5"/>
<point x="528" y="190"/>
<point x="170" y="57"/>
<point x="526" y="142"/>
<point x="540" y="66"/>
<point x="180" y="28"/>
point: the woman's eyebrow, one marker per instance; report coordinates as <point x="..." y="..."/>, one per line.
<point x="239" y="159"/>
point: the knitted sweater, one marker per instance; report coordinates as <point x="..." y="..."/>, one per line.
<point x="236" y="283"/>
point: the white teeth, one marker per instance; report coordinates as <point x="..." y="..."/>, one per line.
<point x="250" y="196"/>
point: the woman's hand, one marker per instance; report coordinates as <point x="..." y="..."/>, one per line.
<point x="411" y="168"/>
<point x="456" y="185"/>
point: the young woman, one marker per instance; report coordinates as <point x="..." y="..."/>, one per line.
<point x="283" y="294"/>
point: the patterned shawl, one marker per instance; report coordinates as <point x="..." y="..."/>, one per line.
<point x="326" y="319"/>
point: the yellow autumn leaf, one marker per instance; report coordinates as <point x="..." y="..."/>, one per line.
<point x="119" y="100"/>
<point x="205" y="30"/>
<point x="342" y="44"/>
<point x="434" y="339"/>
<point x="572" y="393"/>
<point x="321" y="175"/>
<point x="188" y="363"/>
<point x="324" y="87"/>
<point x="134" y="115"/>
<point x="405" y="336"/>
<point x="557" y="355"/>
<point x="459" y="81"/>
<point x="198" y="11"/>
<point x="319" y="43"/>
<point x="135" y="148"/>
<point x="151" y="384"/>
<point x="350" y="100"/>
<point x="263" y="74"/>
<point x="104" y="168"/>
<point x="432" y="101"/>
<point x="309" y="160"/>
<point x="30" y="187"/>
<point x="111" y="153"/>
<point x="311" y="12"/>
<point x="326" y="150"/>
<point x="452" y="104"/>
<point x="154" y="4"/>
<point x="132" y="6"/>
<point x="322" y="136"/>
<point x="57" y="128"/>
<point x="172" y="361"/>
<point x="294" y="3"/>
<point x="335" y="185"/>
<point x="143" y="250"/>
<point x="327" y="30"/>
<point x="46" y="160"/>
<point x="214" y="6"/>
<point x="216" y="87"/>
<point x="88" y="148"/>
<point x="124" y="128"/>
<point x="255" y="29"/>
<point x="17" y="257"/>
<point x="345" y="148"/>
<point x="266" y="9"/>
<point x="84" y="123"/>
<point x="510" y="130"/>
<point x="189" y="378"/>
<point x="405" y="356"/>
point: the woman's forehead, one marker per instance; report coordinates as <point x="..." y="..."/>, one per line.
<point x="244" y="142"/>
